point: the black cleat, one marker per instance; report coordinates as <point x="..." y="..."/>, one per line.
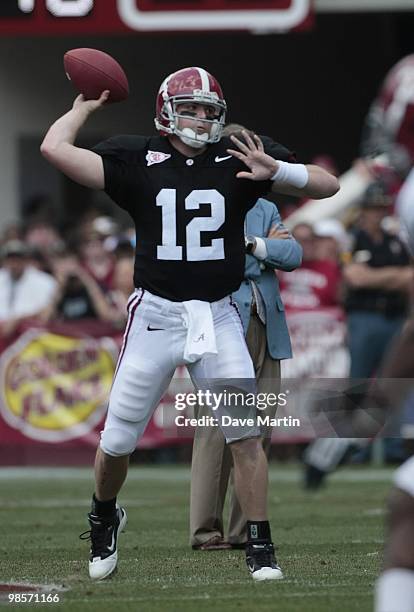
<point x="261" y="561"/>
<point x="104" y="534"/>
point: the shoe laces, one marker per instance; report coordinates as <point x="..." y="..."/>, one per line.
<point x="99" y="534"/>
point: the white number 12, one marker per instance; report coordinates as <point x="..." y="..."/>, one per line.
<point x="167" y="199"/>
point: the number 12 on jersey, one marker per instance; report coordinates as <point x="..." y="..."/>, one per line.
<point x="167" y="199"/>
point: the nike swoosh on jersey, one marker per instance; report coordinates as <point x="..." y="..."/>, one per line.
<point x="220" y="159"/>
<point x="149" y="328"/>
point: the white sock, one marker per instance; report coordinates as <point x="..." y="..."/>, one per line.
<point x="394" y="591"/>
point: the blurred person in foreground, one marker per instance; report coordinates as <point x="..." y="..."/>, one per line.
<point x="378" y="281"/>
<point x="24" y="290"/>
<point x="269" y="246"/>
<point x="394" y="589"/>
<point x="386" y="149"/>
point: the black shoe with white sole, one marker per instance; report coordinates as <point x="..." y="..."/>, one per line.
<point x="261" y="561"/>
<point x="104" y="534"/>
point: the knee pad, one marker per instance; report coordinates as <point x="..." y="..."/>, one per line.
<point x="118" y="442"/>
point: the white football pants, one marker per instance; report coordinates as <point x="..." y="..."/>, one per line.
<point x="153" y="346"/>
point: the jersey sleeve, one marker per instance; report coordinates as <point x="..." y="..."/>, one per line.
<point x="118" y="153"/>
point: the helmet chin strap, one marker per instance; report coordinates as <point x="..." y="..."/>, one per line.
<point x="191" y="138"/>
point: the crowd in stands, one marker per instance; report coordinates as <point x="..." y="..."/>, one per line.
<point x="50" y="275"/>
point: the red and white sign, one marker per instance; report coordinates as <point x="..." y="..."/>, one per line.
<point x="114" y="16"/>
<point x="319" y="345"/>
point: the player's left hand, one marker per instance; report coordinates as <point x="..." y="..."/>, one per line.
<point x="262" y="166"/>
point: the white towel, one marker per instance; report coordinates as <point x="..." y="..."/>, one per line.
<point x="201" y="337"/>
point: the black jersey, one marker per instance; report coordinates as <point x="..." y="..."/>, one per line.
<point x="188" y="213"/>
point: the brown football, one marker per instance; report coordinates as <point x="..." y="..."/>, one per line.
<point x="92" y="71"/>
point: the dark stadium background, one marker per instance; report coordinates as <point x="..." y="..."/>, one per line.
<point x="309" y="90"/>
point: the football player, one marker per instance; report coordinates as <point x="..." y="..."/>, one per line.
<point x="188" y="191"/>
<point x="395" y="586"/>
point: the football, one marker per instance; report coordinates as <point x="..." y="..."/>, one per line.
<point x="92" y="71"/>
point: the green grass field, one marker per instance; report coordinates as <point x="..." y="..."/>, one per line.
<point x="330" y="544"/>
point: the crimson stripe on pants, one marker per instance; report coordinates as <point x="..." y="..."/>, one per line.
<point x="133" y="306"/>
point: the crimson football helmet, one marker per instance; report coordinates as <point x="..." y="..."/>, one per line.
<point x="190" y="85"/>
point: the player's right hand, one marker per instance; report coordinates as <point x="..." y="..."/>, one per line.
<point x="91" y="105"/>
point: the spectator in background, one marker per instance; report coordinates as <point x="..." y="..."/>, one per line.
<point x="77" y="294"/>
<point x="24" y="290"/>
<point x="14" y="231"/>
<point x="378" y="282"/>
<point x="42" y="236"/>
<point x="44" y="240"/>
<point x="97" y="260"/>
<point x="40" y="207"/>
<point x="317" y="282"/>
<point x="332" y="241"/>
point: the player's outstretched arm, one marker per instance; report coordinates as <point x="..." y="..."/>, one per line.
<point x="290" y="179"/>
<point x="81" y="165"/>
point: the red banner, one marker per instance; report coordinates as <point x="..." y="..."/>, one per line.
<point x="37" y="17"/>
